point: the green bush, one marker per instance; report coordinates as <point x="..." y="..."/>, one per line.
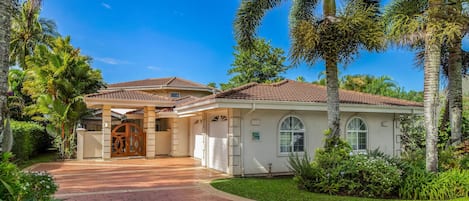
<point x="18" y="185"/>
<point x="449" y="185"/>
<point x="414" y="182"/>
<point x="8" y="177"/>
<point x="336" y="171"/>
<point x="37" y="186"/>
<point x="29" y="139"/>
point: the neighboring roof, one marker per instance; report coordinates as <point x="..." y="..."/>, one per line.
<point x="127" y="95"/>
<point x="293" y="91"/>
<point x="159" y="83"/>
<point x="133" y="98"/>
<point x="185" y="99"/>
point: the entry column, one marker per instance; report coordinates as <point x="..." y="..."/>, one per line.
<point x="106" y="129"/>
<point x="149" y="117"/>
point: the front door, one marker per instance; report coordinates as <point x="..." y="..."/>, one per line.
<point x="127" y="139"/>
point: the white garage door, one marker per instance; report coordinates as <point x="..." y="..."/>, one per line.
<point x="198" y="139"/>
<point x="218" y="143"/>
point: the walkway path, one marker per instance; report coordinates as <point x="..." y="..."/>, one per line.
<point x="165" y="179"/>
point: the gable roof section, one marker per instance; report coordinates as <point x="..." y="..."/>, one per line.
<point x="131" y="98"/>
<point x="160" y="83"/>
<point x="290" y="92"/>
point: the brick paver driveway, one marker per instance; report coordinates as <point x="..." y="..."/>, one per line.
<point x="134" y="179"/>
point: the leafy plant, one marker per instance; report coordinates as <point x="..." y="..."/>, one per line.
<point x="30" y="139"/>
<point x="18" y="185"/>
<point x="305" y="175"/>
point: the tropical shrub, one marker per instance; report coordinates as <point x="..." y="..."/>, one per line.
<point x="9" y="175"/>
<point x="29" y="139"/>
<point x="414" y="182"/>
<point x="18" y="185"/>
<point x="36" y="186"/>
<point x="335" y="170"/>
<point x="423" y="185"/>
<point x="304" y="175"/>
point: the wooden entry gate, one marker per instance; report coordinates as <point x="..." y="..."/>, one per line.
<point x="127" y="139"/>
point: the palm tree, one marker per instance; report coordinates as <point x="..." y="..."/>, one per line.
<point x="57" y="80"/>
<point x="6" y="8"/>
<point x="455" y="71"/>
<point x="417" y="22"/>
<point x="29" y="30"/>
<point x="335" y="37"/>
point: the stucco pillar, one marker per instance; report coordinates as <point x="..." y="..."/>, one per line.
<point x="80" y="142"/>
<point x="106" y="129"/>
<point x="234" y="142"/>
<point x="174" y="136"/>
<point x="149" y="117"/>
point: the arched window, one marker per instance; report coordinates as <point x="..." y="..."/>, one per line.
<point x="357" y="133"/>
<point x="292" y="135"/>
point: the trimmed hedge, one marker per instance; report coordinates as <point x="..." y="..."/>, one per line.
<point x="29" y="139"/>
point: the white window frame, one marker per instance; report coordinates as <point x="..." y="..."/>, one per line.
<point x="292" y="132"/>
<point x="357" y="131"/>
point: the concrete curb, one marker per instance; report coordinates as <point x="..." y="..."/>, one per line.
<point x="205" y="185"/>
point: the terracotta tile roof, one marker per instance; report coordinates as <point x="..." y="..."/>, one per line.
<point x="159" y="82"/>
<point x="293" y="91"/>
<point x="128" y="95"/>
<point x="185" y="99"/>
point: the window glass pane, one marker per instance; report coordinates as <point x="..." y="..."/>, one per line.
<point x="362" y="125"/>
<point x="297" y="125"/>
<point x="362" y="140"/>
<point x="286" y="124"/>
<point x="285" y="142"/>
<point x="352" y="140"/>
<point x="298" y="142"/>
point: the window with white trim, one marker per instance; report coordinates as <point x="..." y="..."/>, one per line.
<point x="291" y="135"/>
<point x="357" y="134"/>
<point x="175" y="95"/>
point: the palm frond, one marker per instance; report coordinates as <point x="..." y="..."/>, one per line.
<point x="248" y="19"/>
<point x="405" y="21"/>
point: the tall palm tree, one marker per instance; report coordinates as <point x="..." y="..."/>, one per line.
<point x="335" y="37"/>
<point x="29" y="30"/>
<point x="454" y="72"/>
<point x="6" y="9"/>
<point x="424" y="22"/>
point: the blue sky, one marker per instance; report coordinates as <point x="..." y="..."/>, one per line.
<point x="191" y="39"/>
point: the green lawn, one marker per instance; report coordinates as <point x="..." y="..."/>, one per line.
<point x="277" y="189"/>
<point x="41" y="158"/>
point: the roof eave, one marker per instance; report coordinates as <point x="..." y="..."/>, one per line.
<point x="290" y="105"/>
<point x="158" y="87"/>
<point x="119" y="103"/>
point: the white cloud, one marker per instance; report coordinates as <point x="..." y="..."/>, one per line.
<point x="153" y="68"/>
<point x="111" y="61"/>
<point x="105" y="5"/>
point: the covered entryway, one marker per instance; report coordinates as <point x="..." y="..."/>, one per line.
<point x="127" y="139"/>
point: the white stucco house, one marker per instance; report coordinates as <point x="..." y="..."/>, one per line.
<point x="243" y="131"/>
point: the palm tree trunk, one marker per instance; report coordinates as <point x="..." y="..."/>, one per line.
<point x="455" y="92"/>
<point x="430" y="102"/>
<point x="6" y="7"/>
<point x="333" y="114"/>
